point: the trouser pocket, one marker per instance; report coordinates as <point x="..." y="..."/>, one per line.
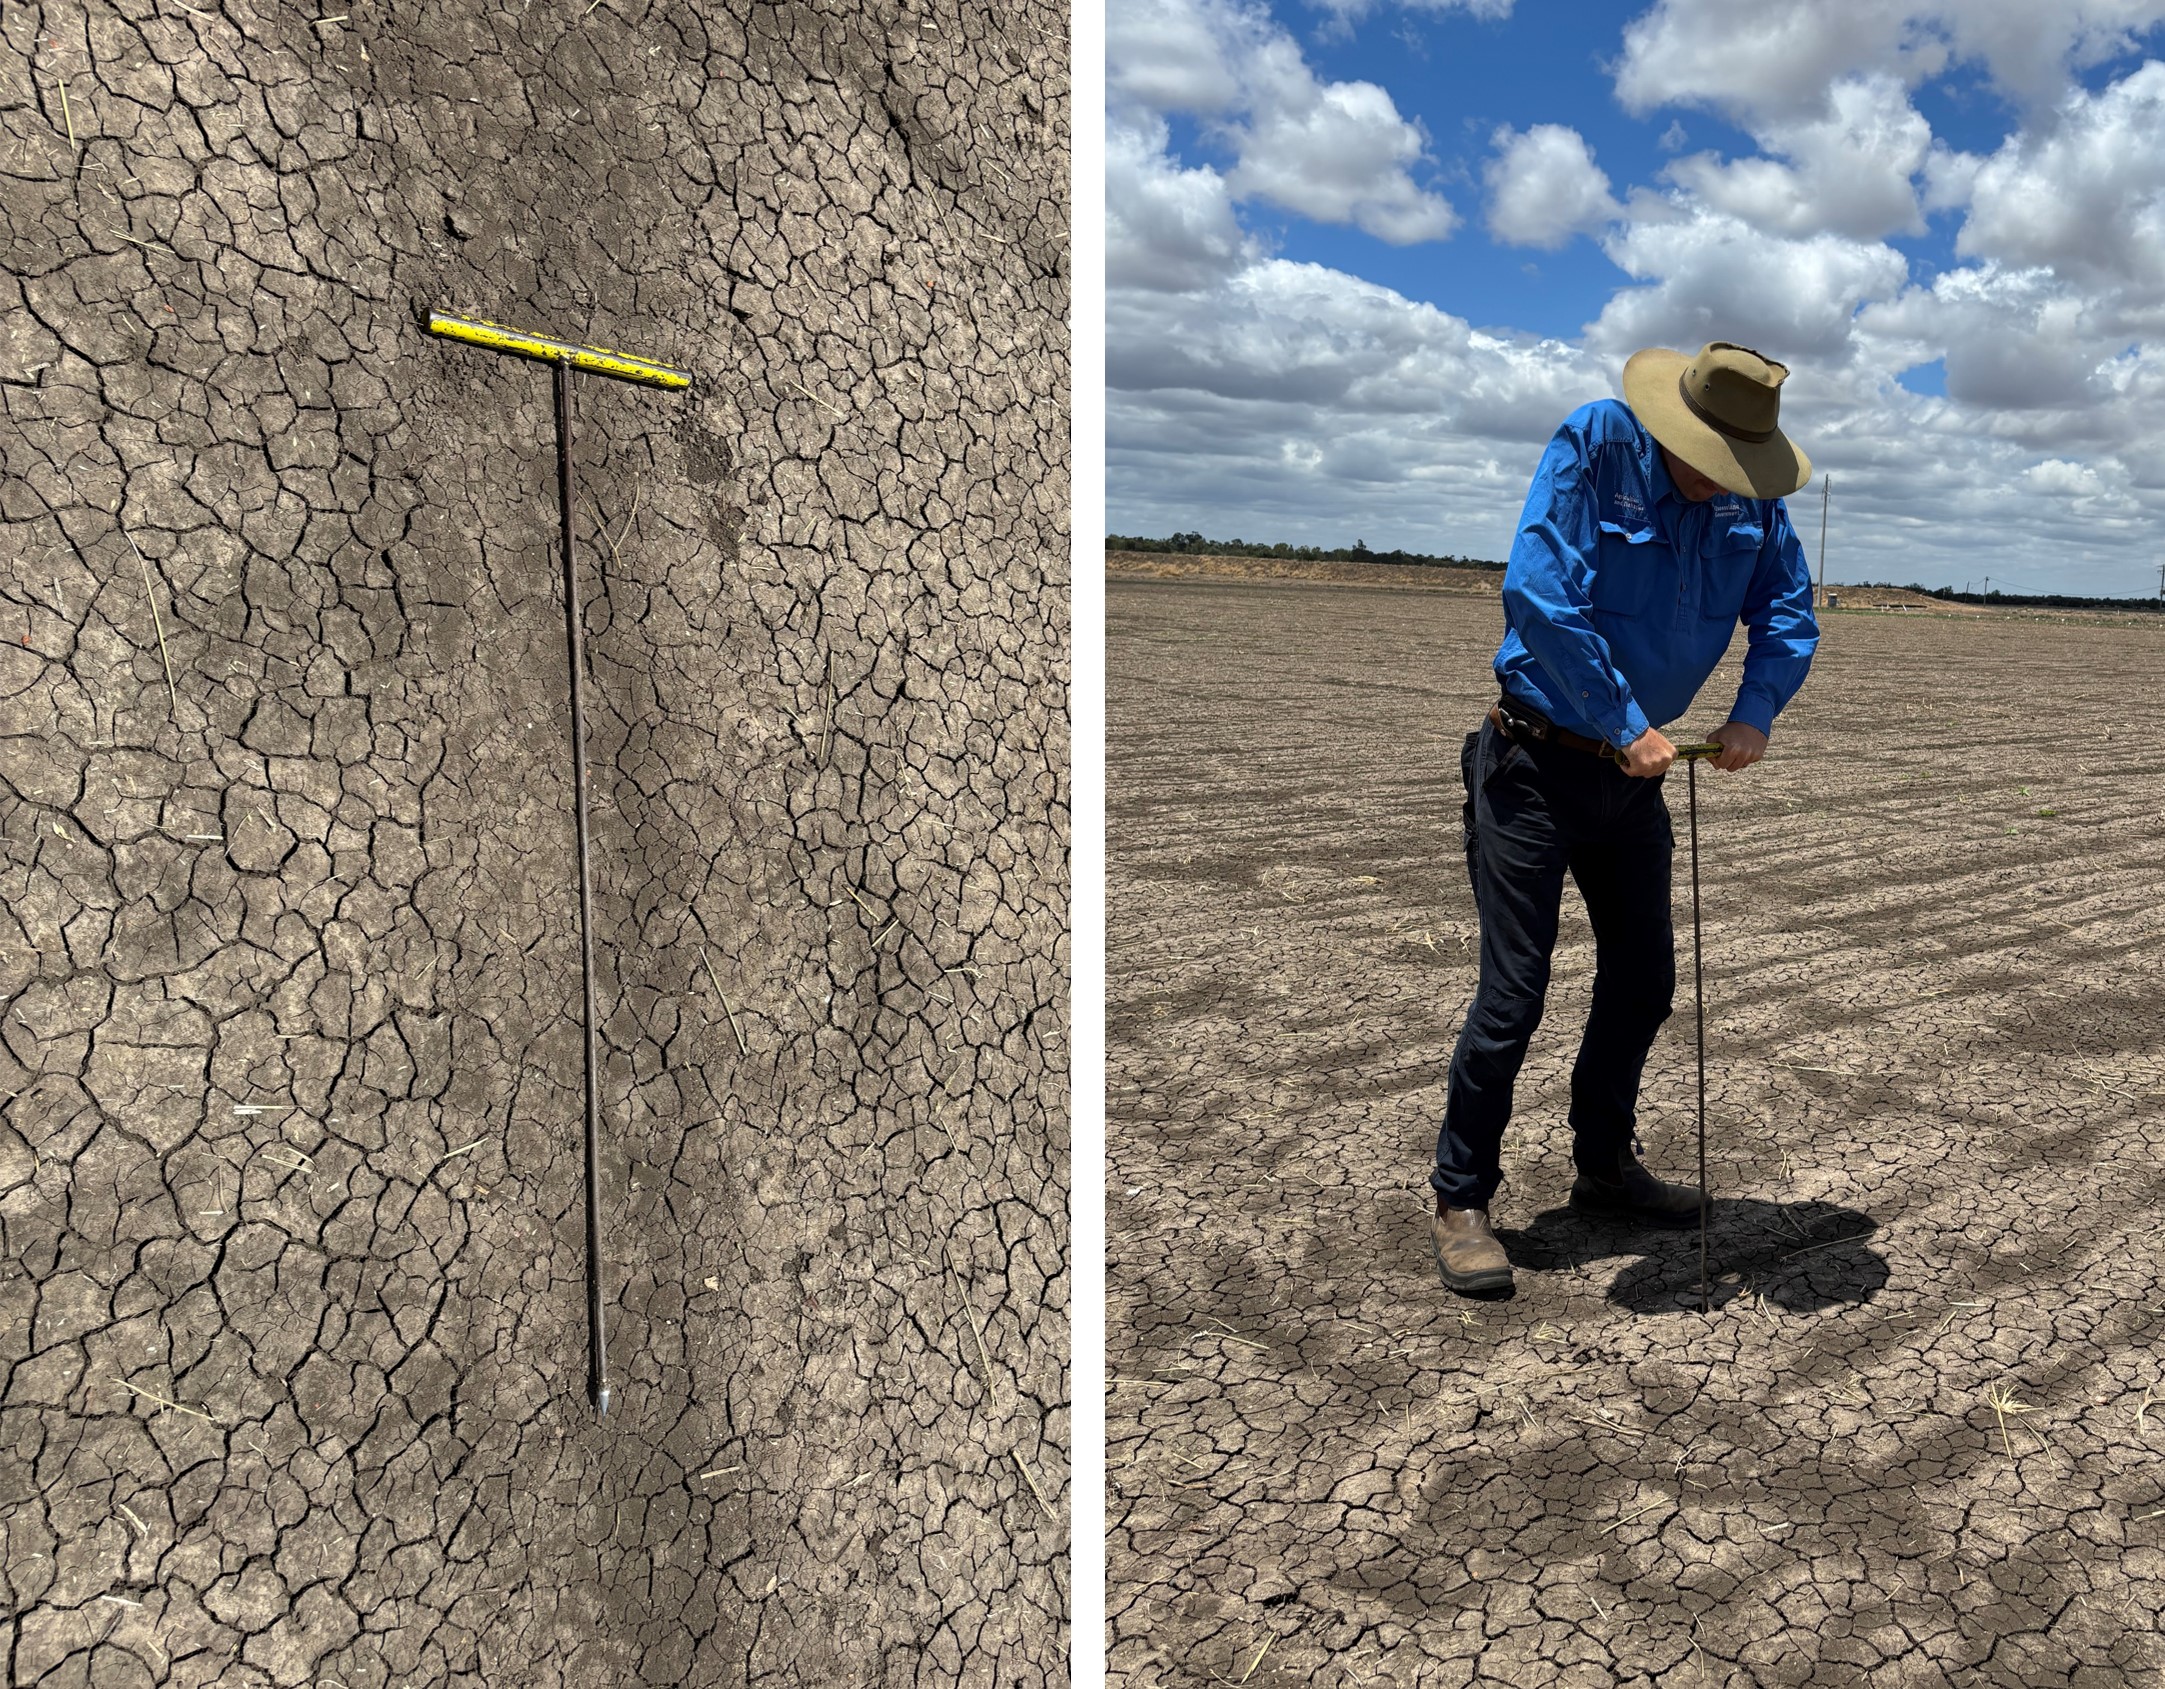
<point x="1469" y="761"/>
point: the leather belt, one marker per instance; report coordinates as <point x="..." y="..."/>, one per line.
<point x="1515" y="721"/>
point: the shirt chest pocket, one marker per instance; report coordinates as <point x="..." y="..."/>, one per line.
<point x="1623" y="573"/>
<point x="1732" y="557"/>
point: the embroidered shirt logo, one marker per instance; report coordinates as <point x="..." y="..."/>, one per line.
<point x="1631" y="507"/>
<point x="1729" y="512"/>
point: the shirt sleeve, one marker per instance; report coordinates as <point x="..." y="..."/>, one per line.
<point x="1783" y="633"/>
<point x="1547" y="590"/>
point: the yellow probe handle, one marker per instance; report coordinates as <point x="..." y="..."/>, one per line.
<point x="599" y="360"/>
<point x="1684" y="753"/>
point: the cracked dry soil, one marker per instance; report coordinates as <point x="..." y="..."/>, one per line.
<point x="292" y="1359"/>
<point x="1937" y="1044"/>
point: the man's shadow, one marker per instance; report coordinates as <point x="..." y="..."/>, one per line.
<point x="1801" y="1256"/>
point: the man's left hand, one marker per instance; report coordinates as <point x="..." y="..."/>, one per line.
<point x="1741" y="745"/>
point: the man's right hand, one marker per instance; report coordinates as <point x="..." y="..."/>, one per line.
<point x="1647" y="756"/>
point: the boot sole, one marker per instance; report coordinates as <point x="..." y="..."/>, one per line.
<point x="1599" y="1209"/>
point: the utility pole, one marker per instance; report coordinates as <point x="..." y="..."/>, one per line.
<point x="2161" y="583"/>
<point x="1826" y="491"/>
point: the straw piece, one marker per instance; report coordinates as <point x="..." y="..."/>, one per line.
<point x="147" y="246"/>
<point x="155" y="620"/>
<point x="826" y="742"/>
<point x="743" y="1048"/>
<point x="1853" y="1237"/>
<point x="1627" y="1518"/>
<point x="984" y="1358"/>
<point x="1258" y="1660"/>
<point x="1218" y="1328"/>
<point x="67" y="116"/>
<point x="1030" y="1478"/>
<point x="153" y="1396"/>
<point x="817" y="400"/>
<point x="628" y="521"/>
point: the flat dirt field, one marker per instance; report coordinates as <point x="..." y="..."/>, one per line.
<point x="1919" y="1440"/>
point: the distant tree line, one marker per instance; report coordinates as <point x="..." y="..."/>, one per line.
<point x="1194" y="545"/>
<point x="2035" y="600"/>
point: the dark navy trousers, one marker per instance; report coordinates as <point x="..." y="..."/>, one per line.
<point x="1534" y="813"/>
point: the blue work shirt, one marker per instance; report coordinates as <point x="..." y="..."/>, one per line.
<point x="1621" y="594"/>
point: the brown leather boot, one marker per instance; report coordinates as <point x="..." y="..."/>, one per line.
<point x="1467" y="1253"/>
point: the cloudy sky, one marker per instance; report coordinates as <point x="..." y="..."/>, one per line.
<point x="1362" y="256"/>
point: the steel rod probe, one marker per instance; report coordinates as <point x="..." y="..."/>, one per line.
<point x="1698" y="997"/>
<point x="597" y="1346"/>
<point x="564" y="356"/>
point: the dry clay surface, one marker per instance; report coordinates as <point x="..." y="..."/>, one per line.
<point x="1920" y="1437"/>
<point x="292" y="1361"/>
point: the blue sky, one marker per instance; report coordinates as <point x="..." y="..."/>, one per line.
<point x="1340" y="291"/>
<point x="1462" y="77"/>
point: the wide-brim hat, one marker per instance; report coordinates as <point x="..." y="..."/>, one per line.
<point x="1721" y="413"/>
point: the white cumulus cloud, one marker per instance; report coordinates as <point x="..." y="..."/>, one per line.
<point x="1776" y="58"/>
<point x="2012" y="340"/>
<point x="1302" y="401"/>
<point x="1334" y="152"/>
<point x="2084" y="195"/>
<point x="1544" y="187"/>
<point x="1773" y="59"/>
<point x="1712" y="276"/>
<point x="2058" y="477"/>
<point x="1178" y="55"/>
<point x="1167" y="229"/>
<point x="1848" y="169"/>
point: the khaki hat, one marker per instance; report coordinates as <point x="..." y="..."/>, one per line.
<point x="1720" y="412"/>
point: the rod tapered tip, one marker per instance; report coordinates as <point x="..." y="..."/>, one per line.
<point x="600" y="1395"/>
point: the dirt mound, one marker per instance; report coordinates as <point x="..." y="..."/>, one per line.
<point x="1901" y="598"/>
<point x="292" y="1380"/>
<point x="1161" y="566"/>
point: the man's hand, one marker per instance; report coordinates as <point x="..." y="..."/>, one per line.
<point x="1741" y="745"/>
<point x="1648" y="755"/>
